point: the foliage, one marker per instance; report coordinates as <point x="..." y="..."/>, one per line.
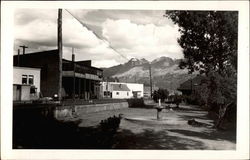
<point x="160" y="94"/>
<point x="136" y="103"/>
<point x="176" y="99"/>
<point x="111" y="124"/>
<point x="208" y="39"/>
<point x="209" y="42"/>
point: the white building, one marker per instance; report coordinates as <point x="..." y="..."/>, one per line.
<point x="121" y="90"/>
<point x="26" y="83"/>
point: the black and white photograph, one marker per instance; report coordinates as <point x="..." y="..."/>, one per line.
<point x="112" y="79"/>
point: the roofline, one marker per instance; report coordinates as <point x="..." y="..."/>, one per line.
<point x="81" y="64"/>
<point x="52" y="51"/>
<point x="123" y="83"/>
<point x="27" y="68"/>
<point x="37" y="52"/>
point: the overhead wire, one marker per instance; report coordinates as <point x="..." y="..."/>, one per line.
<point x="99" y="37"/>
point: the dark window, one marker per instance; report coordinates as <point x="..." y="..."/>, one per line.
<point x="32" y="90"/>
<point x="105" y="93"/>
<point x="31" y="79"/>
<point x="18" y="87"/>
<point x="24" y="79"/>
<point x="117" y="93"/>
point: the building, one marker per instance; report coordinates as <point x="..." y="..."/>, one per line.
<point x="79" y="78"/>
<point x="120" y="90"/>
<point x="26" y="83"/>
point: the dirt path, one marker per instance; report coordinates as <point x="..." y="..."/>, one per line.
<point x="175" y="136"/>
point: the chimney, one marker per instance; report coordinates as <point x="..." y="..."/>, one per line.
<point x="23" y="48"/>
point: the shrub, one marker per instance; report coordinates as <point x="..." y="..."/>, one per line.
<point x="160" y="94"/>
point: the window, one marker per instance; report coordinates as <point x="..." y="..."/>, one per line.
<point x="127" y="93"/>
<point x="31" y="79"/>
<point x="24" y="79"/>
<point x="33" y="90"/>
<point x="106" y="93"/>
<point x="117" y="93"/>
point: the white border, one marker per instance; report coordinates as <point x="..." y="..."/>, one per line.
<point x="242" y="151"/>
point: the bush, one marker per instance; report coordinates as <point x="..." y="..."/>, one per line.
<point x="136" y="103"/>
<point x="160" y="94"/>
<point x="176" y="99"/>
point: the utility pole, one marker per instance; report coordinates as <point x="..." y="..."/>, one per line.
<point x="150" y="78"/>
<point x="74" y="76"/>
<point x="23" y="48"/>
<point x="191" y="86"/>
<point x="60" y="52"/>
<point x="18" y="58"/>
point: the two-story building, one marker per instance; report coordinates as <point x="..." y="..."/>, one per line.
<point x="26" y="83"/>
<point x="78" y="78"/>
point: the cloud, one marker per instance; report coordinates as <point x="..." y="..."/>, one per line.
<point x="141" y="34"/>
<point x="143" y="41"/>
<point x="136" y="16"/>
<point x="25" y="16"/>
<point x="105" y="63"/>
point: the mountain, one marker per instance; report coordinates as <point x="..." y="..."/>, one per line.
<point x="133" y="62"/>
<point x="165" y="72"/>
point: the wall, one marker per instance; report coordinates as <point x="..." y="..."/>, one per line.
<point x="63" y="111"/>
<point x="25" y="93"/>
<point x="48" y="61"/>
<point x="19" y="71"/>
<point x="136" y="87"/>
<point x="122" y="94"/>
<point x="16" y="93"/>
<point x="131" y="86"/>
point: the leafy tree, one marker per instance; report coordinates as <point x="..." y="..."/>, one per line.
<point x="209" y="42"/>
<point x="160" y="94"/>
<point x="208" y="39"/>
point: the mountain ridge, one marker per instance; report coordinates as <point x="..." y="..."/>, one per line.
<point x="165" y="72"/>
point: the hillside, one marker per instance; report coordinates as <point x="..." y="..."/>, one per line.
<point x="165" y="72"/>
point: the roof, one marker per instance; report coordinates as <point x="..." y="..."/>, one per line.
<point x="120" y="87"/>
<point x="28" y="68"/>
<point x="55" y="51"/>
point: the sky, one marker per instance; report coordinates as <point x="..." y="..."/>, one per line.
<point x="133" y="33"/>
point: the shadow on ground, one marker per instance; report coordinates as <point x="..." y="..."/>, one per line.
<point x="150" y="139"/>
<point x="198" y="116"/>
<point x="214" y="135"/>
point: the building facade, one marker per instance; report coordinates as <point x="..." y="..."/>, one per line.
<point x="26" y="83"/>
<point x="120" y="90"/>
<point x="79" y="79"/>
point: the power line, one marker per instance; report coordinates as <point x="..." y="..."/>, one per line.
<point x="99" y="37"/>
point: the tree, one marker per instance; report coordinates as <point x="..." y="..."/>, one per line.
<point x="209" y="42"/>
<point x="208" y="39"/>
<point x="160" y="94"/>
